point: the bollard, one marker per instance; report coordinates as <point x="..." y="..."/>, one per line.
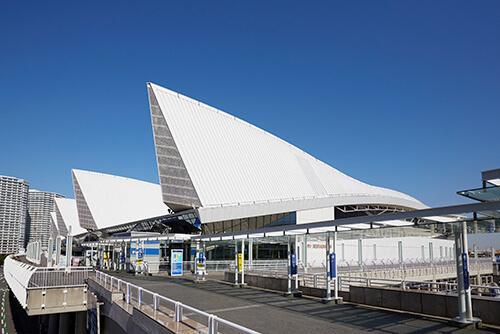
<point x="139" y="296"/>
<point x="127" y="296"/>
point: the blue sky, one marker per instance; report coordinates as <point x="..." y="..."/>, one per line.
<point x="402" y="94"/>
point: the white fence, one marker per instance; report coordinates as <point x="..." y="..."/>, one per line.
<point x="22" y="276"/>
<point x="137" y="296"/>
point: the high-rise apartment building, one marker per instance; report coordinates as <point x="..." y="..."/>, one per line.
<point x="13" y="211"/>
<point x="40" y="205"/>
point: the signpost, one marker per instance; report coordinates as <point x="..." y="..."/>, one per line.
<point x="176" y="260"/>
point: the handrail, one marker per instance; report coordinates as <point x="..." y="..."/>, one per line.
<point x="212" y="321"/>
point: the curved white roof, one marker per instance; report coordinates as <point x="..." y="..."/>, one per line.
<point x="106" y="200"/>
<point x="66" y="208"/>
<point x="54" y="228"/>
<point x="210" y="159"/>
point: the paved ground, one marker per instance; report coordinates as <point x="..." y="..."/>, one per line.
<point x="270" y="312"/>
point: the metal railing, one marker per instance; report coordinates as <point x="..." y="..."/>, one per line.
<point x="44" y="277"/>
<point x="139" y="297"/>
<point x="319" y="281"/>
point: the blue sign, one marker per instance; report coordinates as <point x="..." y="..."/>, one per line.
<point x="140" y="253"/>
<point x="201" y="257"/>
<point x="293" y="264"/>
<point x="197" y="223"/>
<point x="176" y="259"/>
<point x="122" y="258"/>
<point x="465" y="271"/>
<point x="333" y="265"/>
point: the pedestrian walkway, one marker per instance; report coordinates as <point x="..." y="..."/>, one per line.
<point x="270" y="312"/>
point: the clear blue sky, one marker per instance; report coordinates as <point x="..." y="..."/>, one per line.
<point x="402" y="94"/>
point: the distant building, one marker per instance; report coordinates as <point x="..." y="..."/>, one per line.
<point x="40" y="204"/>
<point x="13" y="211"/>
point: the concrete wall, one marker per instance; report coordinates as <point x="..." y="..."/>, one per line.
<point x="486" y="308"/>
<point x="116" y="320"/>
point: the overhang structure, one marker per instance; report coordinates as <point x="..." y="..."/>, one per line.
<point x="227" y="168"/>
<point x="67" y="217"/>
<point x="104" y="201"/>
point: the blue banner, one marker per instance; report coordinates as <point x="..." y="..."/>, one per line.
<point x="176" y="259"/>
<point x="465" y="271"/>
<point x="293" y="264"/>
<point x="333" y="267"/>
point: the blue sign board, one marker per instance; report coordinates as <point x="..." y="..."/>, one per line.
<point x="333" y="267"/>
<point x="201" y="257"/>
<point x="293" y="264"/>
<point x="176" y="259"/>
<point x="465" y="271"/>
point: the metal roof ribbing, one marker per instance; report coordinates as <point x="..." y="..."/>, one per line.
<point x="114" y="200"/>
<point x="231" y="161"/>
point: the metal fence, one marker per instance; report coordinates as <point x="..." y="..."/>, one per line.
<point x="318" y="280"/>
<point x="139" y="297"/>
<point x="59" y="277"/>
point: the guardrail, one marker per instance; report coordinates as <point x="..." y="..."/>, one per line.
<point x="44" y="277"/>
<point x="319" y="281"/>
<point x="137" y="296"/>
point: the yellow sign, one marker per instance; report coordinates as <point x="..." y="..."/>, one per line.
<point x="240" y="262"/>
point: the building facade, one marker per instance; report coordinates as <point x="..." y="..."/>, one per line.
<point x="40" y="205"/>
<point x="13" y="213"/>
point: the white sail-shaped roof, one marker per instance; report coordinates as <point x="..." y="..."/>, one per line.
<point x="212" y="160"/>
<point x="54" y="228"/>
<point x="106" y="200"/>
<point x="67" y="216"/>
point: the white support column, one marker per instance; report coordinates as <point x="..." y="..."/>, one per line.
<point x="112" y="266"/>
<point x="289" y="258"/>
<point x="69" y="249"/>
<point x="235" y="262"/>
<point x="296" y="253"/>
<point x="50" y="252"/>
<point x="327" y="267"/>
<point x="58" y="250"/>
<point x="360" y="253"/>
<point x="461" y="317"/>
<point x="242" y="262"/>
<point x="304" y="251"/>
<point x="465" y="246"/>
<point x="463" y="284"/>
<point x="250" y="254"/>
<point x="336" y="281"/>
